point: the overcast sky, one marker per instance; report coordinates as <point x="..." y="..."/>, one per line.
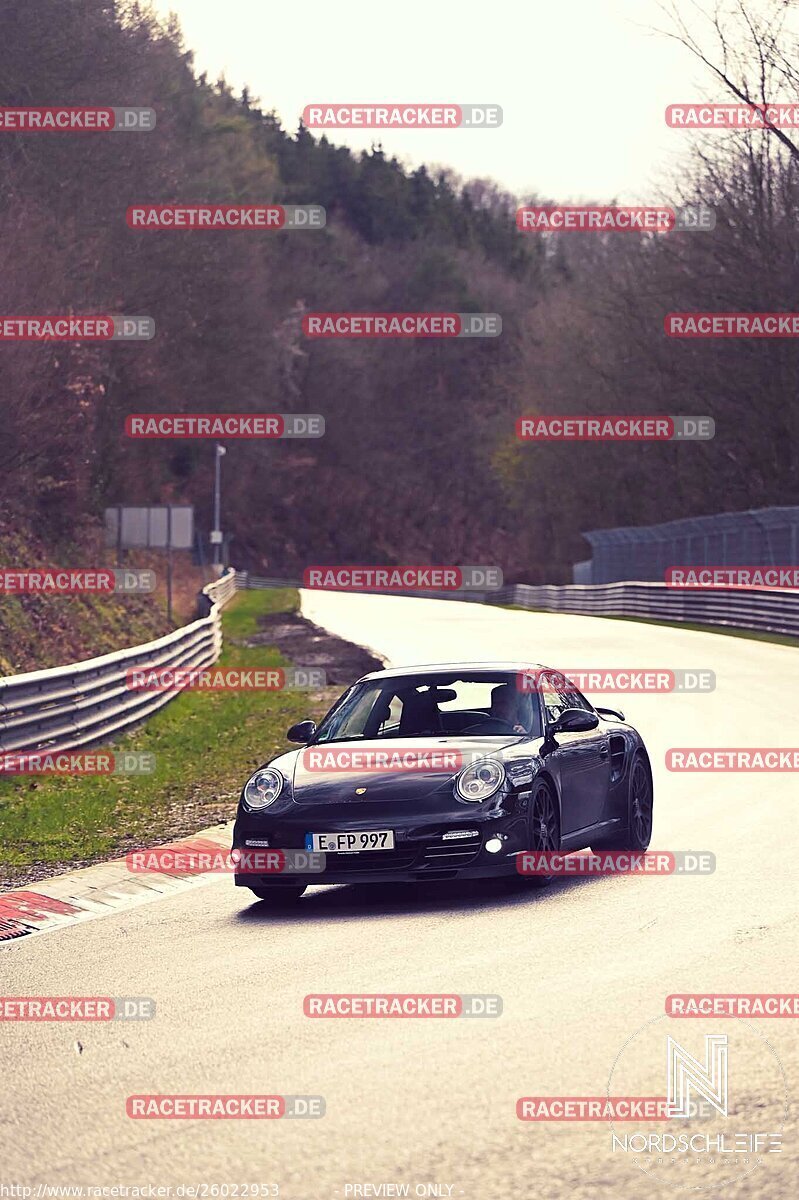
<point x="583" y="83"/>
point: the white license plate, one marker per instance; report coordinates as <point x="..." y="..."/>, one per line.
<point x="361" y="839"/>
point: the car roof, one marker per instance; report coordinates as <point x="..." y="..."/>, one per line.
<point x="472" y="668"/>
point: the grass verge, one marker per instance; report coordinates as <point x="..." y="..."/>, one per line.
<point x="205" y="745"/>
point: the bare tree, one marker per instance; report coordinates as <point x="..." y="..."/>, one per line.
<point x="752" y="49"/>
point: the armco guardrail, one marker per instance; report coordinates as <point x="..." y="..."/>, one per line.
<point x="502" y="595"/>
<point x="88" y="702"/>
<point x="763" y="609"/>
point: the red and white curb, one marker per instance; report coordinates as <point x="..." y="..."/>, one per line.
<point x="101" y="890"/>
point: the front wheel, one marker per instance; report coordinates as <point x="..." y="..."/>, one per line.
<point x="546" y="829"/>
<point x="279" y="897"/>
<point x="638" y="833"/>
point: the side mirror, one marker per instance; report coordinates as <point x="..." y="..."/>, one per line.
<point x="575" y="720"/>
<point x="302" y="732"/>
<point x="612" y="712"/>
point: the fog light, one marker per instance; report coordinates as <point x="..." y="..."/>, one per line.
<point x="494" y="845"/>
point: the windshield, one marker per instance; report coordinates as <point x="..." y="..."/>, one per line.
<point x="427" y="705"/>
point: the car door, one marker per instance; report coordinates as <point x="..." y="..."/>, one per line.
<point x="583" y="759"/>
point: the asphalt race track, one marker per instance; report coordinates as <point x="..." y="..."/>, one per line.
<point x="581" y="967"/>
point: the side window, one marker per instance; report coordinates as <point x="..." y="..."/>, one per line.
<point x="558" y="695"/>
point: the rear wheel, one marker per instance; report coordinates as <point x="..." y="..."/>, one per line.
<point x="279" y="897"/>
<point x="638" y="833"/>
<point x="545" y="828"/>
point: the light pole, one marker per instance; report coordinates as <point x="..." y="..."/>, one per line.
<point x="216" y="532"/>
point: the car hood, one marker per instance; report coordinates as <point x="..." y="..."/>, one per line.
<point x="387" y="768"/>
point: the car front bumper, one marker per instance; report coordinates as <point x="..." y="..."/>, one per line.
<point x="453" y="846"/>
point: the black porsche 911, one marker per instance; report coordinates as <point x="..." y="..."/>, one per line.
<point x="443" y="772"/>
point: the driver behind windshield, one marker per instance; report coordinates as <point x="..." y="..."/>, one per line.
<point x="508" y="705"/>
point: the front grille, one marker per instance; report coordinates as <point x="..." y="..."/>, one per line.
<point x="452" y="854"/>
<point x="369" y="860"/>
<point x="432" y="854"/>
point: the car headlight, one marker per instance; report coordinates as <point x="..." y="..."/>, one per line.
<point x="480" y="780"/>
<point x="263" y="788"/>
